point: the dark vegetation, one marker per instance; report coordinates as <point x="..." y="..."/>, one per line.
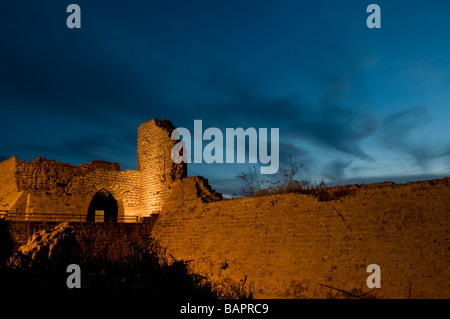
<point x="6" y="243"/>
<point x="143" y="275"/>
<point x="286" y="181"/>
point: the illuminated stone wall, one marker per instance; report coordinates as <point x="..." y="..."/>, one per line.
<point x="8" y="186"/>
<point x="295" y="246"/>
<point x="7" y="176"/>
<point x="49" y="187"/>
<point x="155" y="164"/>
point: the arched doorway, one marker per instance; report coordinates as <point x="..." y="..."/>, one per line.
<point x="103" y="207"/>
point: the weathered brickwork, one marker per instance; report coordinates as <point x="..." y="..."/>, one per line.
<point x="295" y="246"/>
<point x="158" y="171"/>
<point x="46" y="187"/>
<point x="8" y="183"/>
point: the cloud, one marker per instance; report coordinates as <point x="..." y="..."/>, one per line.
<point x="117" y="72"/>
<point x="289" y="151"/>
<point x="399" y="133"/>
<point x="331" y="123"/>
<point x="107" y="147"/>
<point x="397" y="126"/>
<point x="114" y="71"/>
<point x="337" y="128"/>
<point x="326" y="123"/>
<point x="226" y="186"/>
<point x="98" y="74"/>
<point x="335" y="170"/>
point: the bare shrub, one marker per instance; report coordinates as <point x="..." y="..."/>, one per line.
<point x="286" y="181"/>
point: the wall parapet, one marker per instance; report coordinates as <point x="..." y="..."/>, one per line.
<point x="295" y="246"/>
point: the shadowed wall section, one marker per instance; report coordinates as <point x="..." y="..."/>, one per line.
<point x="294" y="246"/>
<point x="96" y="239"/>
<point x="104" y="202"/>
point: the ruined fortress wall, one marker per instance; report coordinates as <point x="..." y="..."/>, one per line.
<point x="158" y="171"/>
<point x="8" y="178"/>
<point x="295" y="246"/>
<point x="53" y="187"/>
<point x="49" y="187"/>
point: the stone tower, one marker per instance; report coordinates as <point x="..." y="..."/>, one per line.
<point x="154" y="161"/>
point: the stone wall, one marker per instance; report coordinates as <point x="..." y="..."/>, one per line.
<point x="46" y="187"/>
<point x="53" y="187"/>
<point x="158" y="171"/>
<point x="7" y="180"/>
<point x="295" y="246"/>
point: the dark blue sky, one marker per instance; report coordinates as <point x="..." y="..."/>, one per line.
<point x="353" y="104"/>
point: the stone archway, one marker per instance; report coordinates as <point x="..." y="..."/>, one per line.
<point x="103" y="207"/>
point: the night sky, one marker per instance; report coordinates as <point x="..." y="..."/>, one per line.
<point x="353" y="104"/>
